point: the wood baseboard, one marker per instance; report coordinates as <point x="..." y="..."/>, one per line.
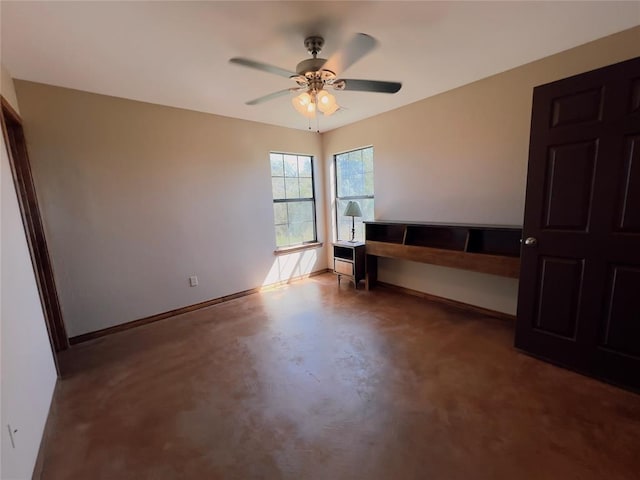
<point x="189" y="308"/>
<point x="447" y="301"/>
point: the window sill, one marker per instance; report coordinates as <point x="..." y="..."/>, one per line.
<point x="297" y="248"/>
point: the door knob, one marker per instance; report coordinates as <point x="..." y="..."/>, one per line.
<point x="531" y="242"/>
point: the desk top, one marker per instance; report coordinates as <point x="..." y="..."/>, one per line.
<point x="441" y="224"/>
<point x="348" y="244"/>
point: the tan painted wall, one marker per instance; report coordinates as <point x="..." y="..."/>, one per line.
<point x="462" y="157"/>
<point x="137" y="197"/>
<point x="8" y="89"/>
<point x="28" y="373"/>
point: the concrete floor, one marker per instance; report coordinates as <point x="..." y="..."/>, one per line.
<point x="313" y="381"/>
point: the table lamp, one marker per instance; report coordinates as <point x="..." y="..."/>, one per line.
<point x="353" y="211"/>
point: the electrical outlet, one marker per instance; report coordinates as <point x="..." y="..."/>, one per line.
<point x="193" y="281"/>
<point x="12" y="433"/>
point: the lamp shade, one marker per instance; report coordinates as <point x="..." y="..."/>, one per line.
<point x="305" y="105"/>
<point x="326" y="101"/>
<point x="353" y="210"/>
<point x="331" y="110"/>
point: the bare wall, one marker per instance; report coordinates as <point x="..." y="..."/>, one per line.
<point x="462" y="157"/>
<point x="137" y="197"/>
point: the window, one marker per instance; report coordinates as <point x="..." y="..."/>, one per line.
<point x="294" y="205"/>
<point x="354" y="181"/>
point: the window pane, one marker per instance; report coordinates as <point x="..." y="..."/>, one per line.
<point x="282" y="235"/>
<point x="280" y="213"/>
<point x="367" y="158"/>
<point x="341" y="165"/>
<point x="300" y="212"/>
<point x="366" y="205"/>
<point x="368" y="184"/>
<point x="277" y="185"/>
<point x="292" y="188"/>
<point x="354" y="173"/>
<point x="355" y="159"/>
<point x="292" y="181"/>
<point x="357" y="184"/>
<point x="359" y="230"/>
<point x="304" y="166"/>
<point x="306" y="188"/>
<point x="354" y="178"/>
<point x="308" y="232"/>
<point x="344" y="228"/>
<point x="344" y="223"/>
<point x="296" y="233"/>
<point x="277" y="167"/>
<point x="290" y="166"/>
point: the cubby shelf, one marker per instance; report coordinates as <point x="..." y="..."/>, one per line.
<point x="491" y="249"/>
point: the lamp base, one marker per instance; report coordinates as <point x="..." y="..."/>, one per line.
<point x="353" y="228"/>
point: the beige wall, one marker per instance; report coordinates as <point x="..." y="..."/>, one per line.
<point x="8" y="89"/>
<point x="462" y="157"/>
<point x="27" y="369"/>
<point x="138" y="197"/>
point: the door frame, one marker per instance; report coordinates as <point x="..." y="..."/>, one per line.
<point x="13" y="133"/>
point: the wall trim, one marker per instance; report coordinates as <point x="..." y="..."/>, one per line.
<point x="447" y="301"/>
<point x="18" y="155"/>
<point x="85" y="337"/>
<point x="297" y="248"/>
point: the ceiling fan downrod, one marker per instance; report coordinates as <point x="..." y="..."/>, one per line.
<point x="314" y="44"/>
<point x="311" y="66"/>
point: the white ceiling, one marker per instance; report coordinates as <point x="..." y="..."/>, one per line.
<point x="176" y="53"/>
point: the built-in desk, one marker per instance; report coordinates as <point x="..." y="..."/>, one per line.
<point x="491" y="249"/>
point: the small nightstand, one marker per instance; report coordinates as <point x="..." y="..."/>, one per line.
<point x="348" y="261"/>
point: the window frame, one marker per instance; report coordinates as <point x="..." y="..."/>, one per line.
<point x="312" y="199"/>
<point x="351" y="197"/>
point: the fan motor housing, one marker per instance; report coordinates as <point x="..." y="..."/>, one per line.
<point x="310" y="65"/>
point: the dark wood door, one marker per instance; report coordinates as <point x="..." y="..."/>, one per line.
<point x="579" y="296"/>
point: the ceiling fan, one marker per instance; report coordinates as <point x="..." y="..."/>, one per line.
<point x="314" y="76"/>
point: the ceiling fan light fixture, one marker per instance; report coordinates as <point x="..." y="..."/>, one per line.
<point x="325" y="100"/>
<point x="307" y="103"/>
<point x="301" y="102"/>
<point x="331" y="110"/>
<point x="310" y="110"/>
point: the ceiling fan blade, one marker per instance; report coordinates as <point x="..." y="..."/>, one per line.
<point x="354" y="50"/>
<point x="370" y="85"/>
<point x="271" y="96"/>
<point x="265" y="67"/>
